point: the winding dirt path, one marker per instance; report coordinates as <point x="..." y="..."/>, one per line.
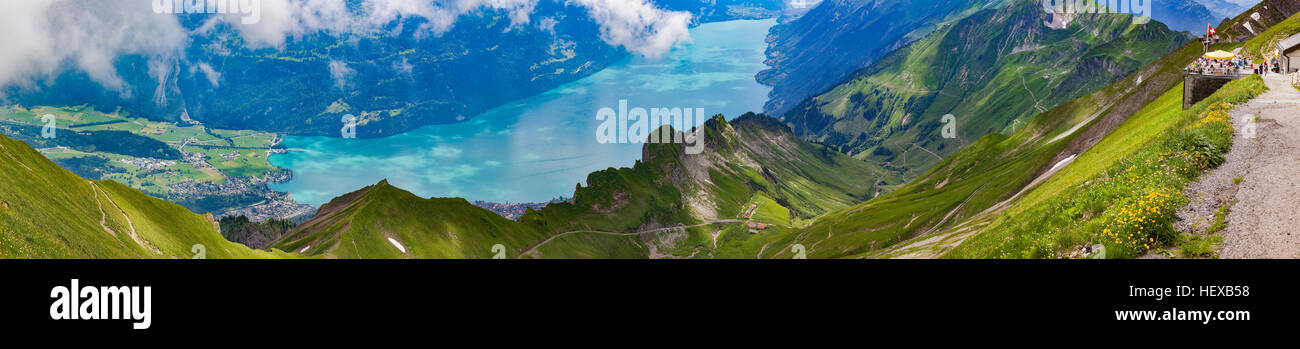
<point x="130" y="225"/>
<point x="1264" y="220"/>
<point x="533" y="249"/>
<point x="103" y="217"/>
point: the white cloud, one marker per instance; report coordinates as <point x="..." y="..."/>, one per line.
<point x="284" y="19"/>
<point x="46" y="37"/>
<point x="638" y="26"/>
<point x="340" y="72"/>
<point x="403" y="67"/>
<point x="281" y="19"/>
<point x="212" y="75"/>
<point x="547" y="24"/>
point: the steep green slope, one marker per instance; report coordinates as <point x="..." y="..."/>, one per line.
<point x="1123" y="192"/>
<point x="374" y="221"/>
<point x="1154" y="153"/>
<point x="992" y="71"/>
<point x="48" y="212"/>
<point x="1154" y="119"/>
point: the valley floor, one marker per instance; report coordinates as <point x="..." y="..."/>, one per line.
<point x="1260" y="180"/>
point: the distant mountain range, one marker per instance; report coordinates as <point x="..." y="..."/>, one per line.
<point x="1227" y="8"/>
<point x="1186" y="15"/>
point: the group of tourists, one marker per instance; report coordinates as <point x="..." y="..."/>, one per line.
<point x="1221" y="66"/>
<point x="1231" y="66"/>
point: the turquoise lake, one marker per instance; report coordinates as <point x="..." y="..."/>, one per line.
<point x="538" y="148"/>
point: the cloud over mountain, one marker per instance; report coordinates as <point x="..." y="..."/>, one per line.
<point x="638" y="26"/>
<point x="45" y="38"/>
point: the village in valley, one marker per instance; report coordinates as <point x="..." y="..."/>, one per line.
<point x="223" y="172"/>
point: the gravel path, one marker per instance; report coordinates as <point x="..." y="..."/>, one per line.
<point x="530" y="250"/>
<point x="1264" y="221"/>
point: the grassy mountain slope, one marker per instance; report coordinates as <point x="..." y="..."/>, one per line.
<point x="1123" y="192"/>
<point x="1156" y="152"/>
<point x="48" y="212"/>
<point x="361" y="224"/>
<point x="992" y="71"/>
<point x="1153" y="120"/>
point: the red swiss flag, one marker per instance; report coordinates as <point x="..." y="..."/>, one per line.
<point x="1211" y="31"/>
